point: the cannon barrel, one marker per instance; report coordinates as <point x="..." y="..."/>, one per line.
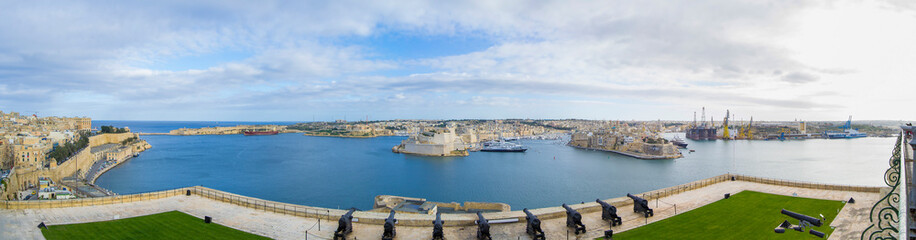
<point x="603" y="203"/>
<point x="438" y="232"/>
<point x="609" y="212"/>
<point x="389" y="227"/>
<point x="483" y="227"/>
<point x="802" y="217"/>
<point x="533" y="227"/>
<point x="344" y="225"/>
<point x="390" y="217"/>
<point x="529" y="215"/>
<point x="572" y="214"/>
<point x="574" y="219"/>
<point x="641" y="205"/>
<point x="438" y="220"/>
<point x="635" y="198"/>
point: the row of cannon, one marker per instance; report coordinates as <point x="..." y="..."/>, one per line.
<point x="533" y="224"/>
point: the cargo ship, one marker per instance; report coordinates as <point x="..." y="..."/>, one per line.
<point x="258" y="133"/>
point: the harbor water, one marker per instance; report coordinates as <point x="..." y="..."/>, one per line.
<point x="348" y="172"/>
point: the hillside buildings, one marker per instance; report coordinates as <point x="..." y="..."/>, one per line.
<point x="35" y="152"/>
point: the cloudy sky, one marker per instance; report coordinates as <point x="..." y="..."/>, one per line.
<point x="325" y="60"/>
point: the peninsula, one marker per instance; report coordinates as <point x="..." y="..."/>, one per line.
<point x="229" y="130"/>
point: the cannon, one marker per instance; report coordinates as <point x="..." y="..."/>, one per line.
<point x="438" y="234"/>
<point x="609" y="213"/>
<point x="389" y="227"/>
<point x="641" y="205"/>
<point x="804" y="221"/>
<point x="803" y="218"/>
<point x="344" y="225"/>
<point x="574" y="219"/>
<point x="534" y="226"/>
<point x="483" y="228"/>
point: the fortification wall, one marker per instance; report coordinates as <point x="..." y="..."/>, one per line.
<point x="109" y="138"/>
<point x="367" y="217"/>
<point x="80" y="162"/>
<point x="425" y="149"/>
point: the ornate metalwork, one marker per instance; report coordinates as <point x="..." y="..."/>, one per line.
<point x="885" y="215"/>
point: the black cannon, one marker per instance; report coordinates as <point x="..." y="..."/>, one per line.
<point x="344" y="225"/>
<point x="641" y="205"/>
<point x="483" y="228"/>
<point x="534" y="226"/>
<point x="609" y="213"/>
<point x="438" y="234"/>
<point x="574" y="219"/>
<point x="804" y="222"/>
<point x="389" y="227"/>
<point x="803" y="218"/>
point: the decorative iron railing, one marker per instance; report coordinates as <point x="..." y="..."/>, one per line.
<point x="886" y="216"/>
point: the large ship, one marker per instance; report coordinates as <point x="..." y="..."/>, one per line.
<point x="258" y="133"/>
<point x="502" y="147"/>
<point x="677" y="141"/>
<point x="848" y="132"/>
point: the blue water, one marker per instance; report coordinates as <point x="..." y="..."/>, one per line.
<point x="349" y="172"/>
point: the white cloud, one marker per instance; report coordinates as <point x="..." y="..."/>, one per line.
<point x="766" y="57"/>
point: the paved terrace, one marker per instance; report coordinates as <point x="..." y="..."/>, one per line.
<point x="230" y="210"/>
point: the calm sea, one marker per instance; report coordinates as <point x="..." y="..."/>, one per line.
<point x="344" y="172"/>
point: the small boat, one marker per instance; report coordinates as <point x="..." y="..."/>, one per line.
<point x="679" y="142"/>
<point x="259" y="133"/>
<point x="502" y="147"/>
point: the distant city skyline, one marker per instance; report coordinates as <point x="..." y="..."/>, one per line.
<point x="317" y="60"/>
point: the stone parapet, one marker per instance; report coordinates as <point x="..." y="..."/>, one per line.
<point x="377" y="218"/>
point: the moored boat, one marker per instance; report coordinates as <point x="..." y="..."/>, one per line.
<point x="679" y="142"/>
<point x="503" y="147"/>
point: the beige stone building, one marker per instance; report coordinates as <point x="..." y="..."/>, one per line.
<point x="29" y="156"/>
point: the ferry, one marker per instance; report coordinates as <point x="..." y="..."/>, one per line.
<point x="679" y="142"/>
<point x="847" y="133"/>
<point x="502" y="147"/>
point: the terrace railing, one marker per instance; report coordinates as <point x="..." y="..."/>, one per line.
<point x="885" y="215"/>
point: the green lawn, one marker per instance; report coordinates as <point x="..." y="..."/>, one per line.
<point x="167" y="225"/>
<point x="746" y="215"/>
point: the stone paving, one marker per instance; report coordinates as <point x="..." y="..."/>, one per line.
<point x="21" y="224"/>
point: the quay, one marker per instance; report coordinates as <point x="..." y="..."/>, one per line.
<point x="289" y="221"/>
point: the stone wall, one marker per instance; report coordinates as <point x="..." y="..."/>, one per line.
<point x="378" y="218"/>
<point x="109" y="138"/>
<point x="79" y="162"/>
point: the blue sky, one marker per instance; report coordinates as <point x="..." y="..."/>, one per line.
<point x="304" y="60"/>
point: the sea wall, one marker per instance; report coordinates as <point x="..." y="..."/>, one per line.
<point x="368" y="217"/>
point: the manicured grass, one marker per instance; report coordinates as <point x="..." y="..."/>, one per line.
<point x="746" y="215"/>
<point x="167" y="225"/>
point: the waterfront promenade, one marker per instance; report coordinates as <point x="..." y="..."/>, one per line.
<point x="287" y="221"/>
